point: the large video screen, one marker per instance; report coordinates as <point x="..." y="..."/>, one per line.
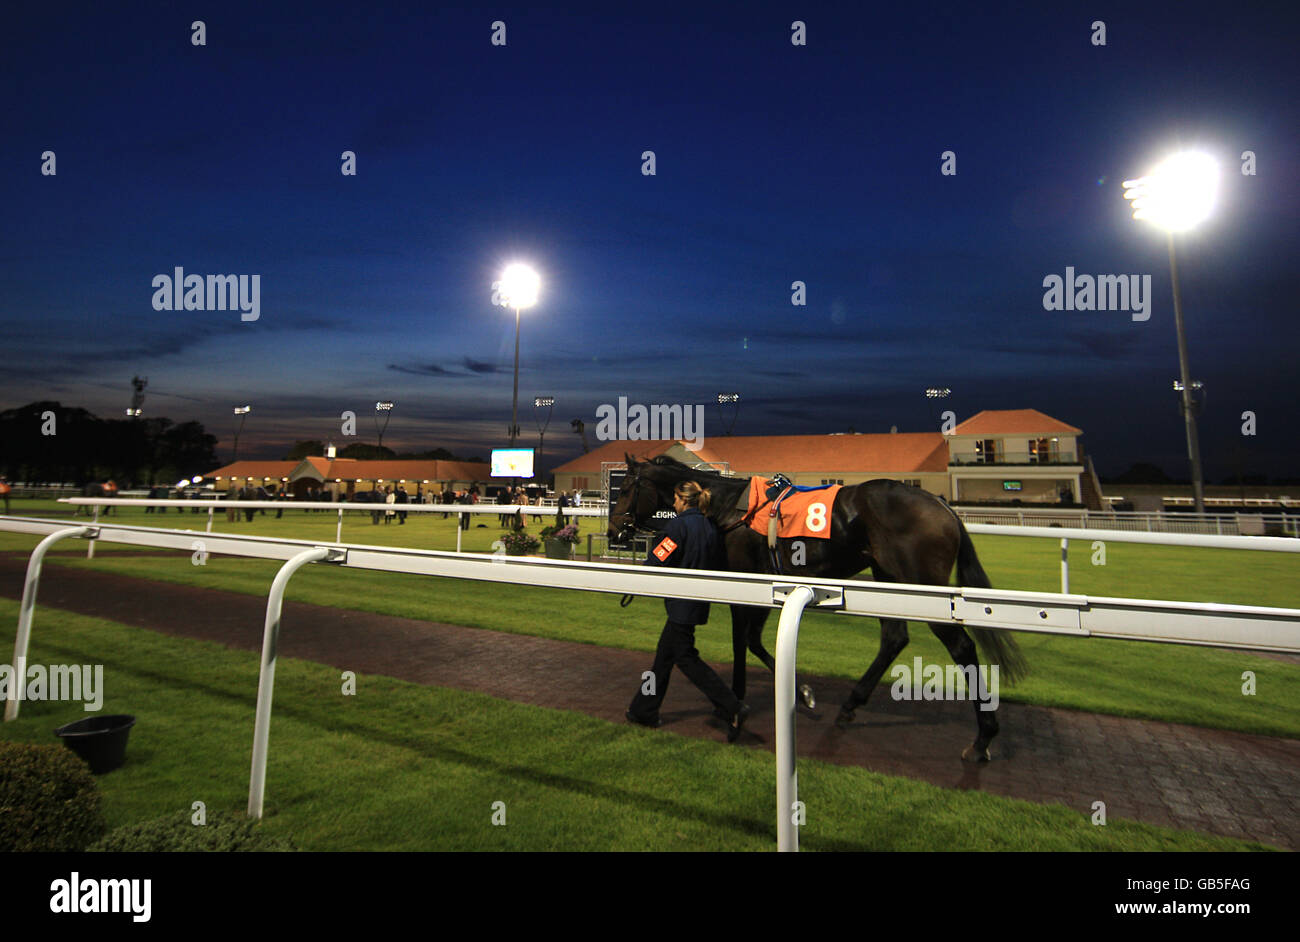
<point x="512" y="462"/>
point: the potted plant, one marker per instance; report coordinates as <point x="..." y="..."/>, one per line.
<point x="520" y="542"/>
<point x="560" y="540"/>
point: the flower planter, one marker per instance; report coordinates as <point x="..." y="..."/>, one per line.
<point x="100" y="740"/>
<point x="559" y="549"/>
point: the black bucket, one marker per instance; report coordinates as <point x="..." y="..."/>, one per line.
<point x="100" y="740"/>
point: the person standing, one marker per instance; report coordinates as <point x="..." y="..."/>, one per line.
<point x="689" y="542"/>
<point x="389" y="498"/>
<point x="4" y="491"/>
<point x="402" y="498"/>
<point x="561" y="504"/>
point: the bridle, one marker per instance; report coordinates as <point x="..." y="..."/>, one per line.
<point x="636" y="527"/>
<point x="634" y="504"/>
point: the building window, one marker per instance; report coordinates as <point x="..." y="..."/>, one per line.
<point x="915" y="482"/>
<point x="1042" y="451"/>
<point x="987" y="451"/>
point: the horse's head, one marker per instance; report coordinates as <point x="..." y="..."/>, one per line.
<point x="638" y="500"/>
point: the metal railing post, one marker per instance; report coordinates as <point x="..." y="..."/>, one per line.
<point x="1065" y="566"/>
<point x="787" y="783"/>
<point x="90" y="550"/>
<point x="209" y="519"/>
<point x="266" y="679"/>
<point x="338" y="534"/>
<point x="459" y="529"/>
<point x="25" y="613"/>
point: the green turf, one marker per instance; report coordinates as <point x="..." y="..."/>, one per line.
<point x="1195" y="686"/>
<point x="404" y="767"/>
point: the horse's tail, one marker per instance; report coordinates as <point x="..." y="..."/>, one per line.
<point x="996" y="644"/>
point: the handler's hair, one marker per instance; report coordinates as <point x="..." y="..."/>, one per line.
<point x="694" y="495"/>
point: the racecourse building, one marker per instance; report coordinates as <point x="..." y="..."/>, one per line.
<point x="346" y="476"/>
<point x="1018" y="456"/>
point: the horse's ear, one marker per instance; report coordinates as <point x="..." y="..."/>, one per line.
<point x="631" y="462"/>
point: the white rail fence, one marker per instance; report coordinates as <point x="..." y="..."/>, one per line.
<point x="1233" y="524"/>
<point x="371" y="507"/>
<point x="1234" y="626"/>
<point x="1274" y="544"/>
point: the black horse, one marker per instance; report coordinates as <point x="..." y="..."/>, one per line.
<point x="93" y="489"/>
<point x="903" y="533"/>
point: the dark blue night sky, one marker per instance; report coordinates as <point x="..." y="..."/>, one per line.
<point x="775" y="163"/>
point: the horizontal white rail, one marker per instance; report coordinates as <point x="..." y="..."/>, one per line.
<point x="366" y="506"/>
<point x="1279" y="544"/>
<point x="1201" y="623"/>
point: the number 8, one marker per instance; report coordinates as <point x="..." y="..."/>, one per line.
<point x="816" y="519"/>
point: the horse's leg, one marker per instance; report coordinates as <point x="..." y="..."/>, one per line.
<point x="756" y="646"/>
<point x="965" y="656"/>
<point x="893" y="638"/>
<point x="740" y="619"/>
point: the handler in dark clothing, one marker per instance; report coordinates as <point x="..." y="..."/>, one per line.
<point x="689" y="542"/>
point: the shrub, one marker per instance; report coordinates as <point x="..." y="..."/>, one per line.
<point x="223" y="831"/>
<point x="567" y="534"/>
<point x="520" y="542"/>
<point x="49" y="801"/>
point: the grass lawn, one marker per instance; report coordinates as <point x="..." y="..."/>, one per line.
<point x="1196" y="686"/>
<point x="404" y="767"/>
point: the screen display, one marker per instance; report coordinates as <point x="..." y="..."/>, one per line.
<point x="1011" y="485"/>
<point x="512" y="462"/>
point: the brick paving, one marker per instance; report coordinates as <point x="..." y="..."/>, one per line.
<point x="1234" y="784"/>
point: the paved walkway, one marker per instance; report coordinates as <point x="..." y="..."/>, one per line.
<point x="1233" y="784"/>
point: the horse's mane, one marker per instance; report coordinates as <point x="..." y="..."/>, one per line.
<point x="672" y="464"/>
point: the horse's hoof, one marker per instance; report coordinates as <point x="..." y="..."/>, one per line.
<point x="845" y="718"/>
<point x="806" y="694"/>
<point x="973" y="753"/>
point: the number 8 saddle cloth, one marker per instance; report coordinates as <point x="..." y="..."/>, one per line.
<point x="798" y="513"/>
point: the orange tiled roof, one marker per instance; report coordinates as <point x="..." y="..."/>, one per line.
<point x="613" y="451"/>
<point x="1013" y="422"/>
<point x="351" y="468"/>
<point x="255" y="470"/>
<point x="885" y="453"/>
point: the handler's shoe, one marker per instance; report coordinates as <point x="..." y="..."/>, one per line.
<point x="639" y="721"/>
<point x="738" y="723"/>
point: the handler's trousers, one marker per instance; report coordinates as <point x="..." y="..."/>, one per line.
<point x="677" y="649"/>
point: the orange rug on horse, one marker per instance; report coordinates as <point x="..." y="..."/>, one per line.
<point x="802" y="513"/>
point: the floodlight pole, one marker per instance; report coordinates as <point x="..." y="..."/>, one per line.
<point x="514" y="409"/>
<point x="1189" y="416"/>
<point x="242" y="416"/>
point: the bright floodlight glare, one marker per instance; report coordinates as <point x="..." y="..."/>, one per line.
<point x="1178" y="194"/>
<point x="243" y="410"/>
<point x="728" y="397"/>
<point x="519" y="286"/>
<point x="383" y="406"/>
<point x="197" y="479"/>
<point x="542" y="402"/>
